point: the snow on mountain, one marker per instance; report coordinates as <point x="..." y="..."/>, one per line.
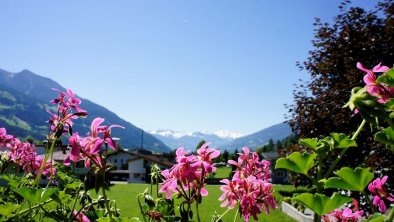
<point x="226" y="134"/>
<point x="175" y="139"/>
<point x="169" y="133"/>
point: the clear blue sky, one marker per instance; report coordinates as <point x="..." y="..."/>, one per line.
<point x="182" y="65"/>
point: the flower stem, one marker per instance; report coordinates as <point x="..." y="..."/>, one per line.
<point x="38" y="178"/>
<point x="217" y="220"/>
<point x="198" y="214"/>
<point x="369" y="201"/>
<point x="106" y="204"/>
<point x="360" y="128"/>
<point x="391" y="215"/>
<point x="236" y="214"/>
<point x="142" y="210"/>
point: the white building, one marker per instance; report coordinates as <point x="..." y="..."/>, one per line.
<point x="134" y="166"/>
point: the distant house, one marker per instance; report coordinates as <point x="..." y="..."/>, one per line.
<point x="278" y="176"/>
<point x="135" y="166"/>
<point x="60" y="154"/>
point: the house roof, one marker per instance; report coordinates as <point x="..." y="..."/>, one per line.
<point x="62" y="155"/>
<point x="58" y="155"/>
<point x="149" y="157"/>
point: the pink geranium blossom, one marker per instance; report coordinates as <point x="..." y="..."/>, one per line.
<point x="380" y="193"/>
<point x="383" y="92"/>
<point x="346" y="215"/>
<point x="68" y="110"/>
<point x="24" y="154"/>
<point x="88" y="148"/>
<point x="4" y="138"/>
<point x="189" y="173"/>
<point x="249" y="186"/>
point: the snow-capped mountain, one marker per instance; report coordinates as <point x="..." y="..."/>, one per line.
<point x="175" y="139"/>
<point x="226" y="134"/>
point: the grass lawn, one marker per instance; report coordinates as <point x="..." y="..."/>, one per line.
<point x="126" y="199"/>
<point x="222" y="172"/>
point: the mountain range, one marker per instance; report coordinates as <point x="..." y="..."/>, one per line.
<point x="223" y="140"/>
<point x="276" y="132"/>
<point x="24" y="101"/>
<point x="175" y="139"/>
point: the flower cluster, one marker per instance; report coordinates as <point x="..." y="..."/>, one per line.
<point x="383" y="92"/>
<point x="88" y="148"/>
<point x="189" y="173"/>
<point x="68" y="109"/>
<point x="381" y="195"/>
<point x="346" y="215"/>
<point x="24" y="154"/>
<point x="249" y="186"/>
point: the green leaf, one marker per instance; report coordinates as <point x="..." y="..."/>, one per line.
<point x="342" y="141"/>
<point x="47" y="192"/>
<point x="357" y="92"/>
<point x="390" y="104"/>
<point x="36" y="195"/>
<point x="387" y="78"/>
<point x="309" y="142"/>
<point x="349" y="179"/>
<point x="7" y="209"/>
<point x="321" y="204"/>
<point x="385" y="136"/>
<point x="377" y="217"/>
<point x="30" y="194"/>
<point x="297" y="162"/>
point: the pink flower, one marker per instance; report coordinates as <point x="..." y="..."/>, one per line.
<point x="374" y="88"/>
<point x="88" y="148"/>
<point x="377" y="188"/>
<point x="24" y="154"/>
<point x="61" y="122"/>
<point x="230" y="191"/>
<point x="106" y="132"/>
<point x="189" y="173"/>
<point x="249" y="186"/>
<point x="169" y="185"/>
<point x="205" y="157"/>
<point x="75" y="150"/>
<point x="49" y="168"/>
<point x="249" y="165"/>
<point x="74" y="102"/>
<point x="4" y="138"/>
<point x="80" y="217"/>
<point x="346" y="215"/>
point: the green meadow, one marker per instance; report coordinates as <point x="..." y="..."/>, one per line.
<point x="125" y="196"/>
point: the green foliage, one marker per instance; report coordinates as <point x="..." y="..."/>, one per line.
<point x="354" y="35"/>
<point x="36" y="195"/>
<point x="385" y="136"/>
<point x="8" y="209"/>
<point x="387" y="78"/>
<point x="342" y="141"/>
<point x="310" y="143"/>
<point x="377" y="217"/>
<point x="321" y="204"/>
<point x="349" y="179"/>
<point x="297" y="162"/>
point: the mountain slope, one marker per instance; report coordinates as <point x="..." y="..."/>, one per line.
<point x="24" y="99"/>
<point x="275" y="132"/>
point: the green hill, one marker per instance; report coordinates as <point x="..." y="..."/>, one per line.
<point x="24" y="101"/>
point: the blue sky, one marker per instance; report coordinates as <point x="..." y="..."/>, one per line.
<point x="182" y="65"/>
